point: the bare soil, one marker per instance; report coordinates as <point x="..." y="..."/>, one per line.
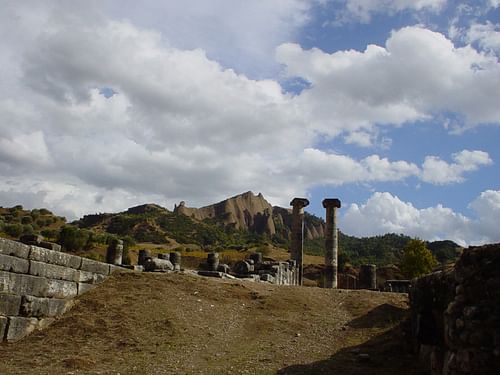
<point x="182" y="324"/>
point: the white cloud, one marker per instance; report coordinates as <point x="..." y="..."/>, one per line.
<point x="486" y="35"/>
<point x="438" y="171"/>
<point x="418" y="74"/>
<point x="383" y="213"/>
<point x="183" y="127"/>
<point x="363" y="10"/>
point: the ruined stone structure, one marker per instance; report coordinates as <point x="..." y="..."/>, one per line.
<point x="114" y="254"/>
<point x="254" y="268"/>
<point x="297" y="240"/>
<point x="331" y="242"/>
<point x="456" y="315"/>
<point x="38" y="284"/>
<point x="368" y="276"/>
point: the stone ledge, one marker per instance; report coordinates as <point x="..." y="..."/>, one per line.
<point x="13" y="264"/>
<point x="90" y="277"/>
<point x="9" y="304"/>
<point x="17" y="249"/>
<point x="38" y="286"/>
<point x="3" y="327"/>
<point x="19" y="328"/>
<point x="44" y="307"/>
<point x="94" y="266"/>
<point x="52" y="271"/>
<point x="84" y="287"/>
<point x="55" y="257"/>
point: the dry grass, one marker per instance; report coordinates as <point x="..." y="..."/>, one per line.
<point x="182" y="324"/>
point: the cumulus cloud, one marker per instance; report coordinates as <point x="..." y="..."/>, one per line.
<point x="486" y="35"/>
<point x="386" y="213"/>
<point x="438" y="171"/>
<point x="418" y="74"/>
<point x="182" y="126"/>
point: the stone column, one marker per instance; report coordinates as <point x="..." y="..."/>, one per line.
<point x="331" y="242"/>
<point x="297" y="245"/>
<point x="114" y="253"/>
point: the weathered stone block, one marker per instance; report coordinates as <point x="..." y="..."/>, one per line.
<point x="9" y="304"/>
<point x="44" y="307"/>
<point x="94" y="266"/>
<point x="52" y="271"/>
<point x="55" y="257"/>
<point x="20" y="327"/>
<point x="61" y="289"/>
<point x="84" y="287"/>
<point x="17" y="249"/>
<point x="50" y="245"/>
<point x="217" y="274"/>
<point x="3" y="327"/>
<point x="38" y="286"/>
<point x="14" y="264"/>
<point x="90" y="277"/>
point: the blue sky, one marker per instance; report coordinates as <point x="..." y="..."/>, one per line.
<point x="393" y="106"/>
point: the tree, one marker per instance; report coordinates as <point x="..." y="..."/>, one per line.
<point x="73" y="239"/>
<point x="417" y="259"/>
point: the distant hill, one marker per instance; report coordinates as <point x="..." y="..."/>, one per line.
<point x="253" y="213"/>
<point x="243" y="221"/>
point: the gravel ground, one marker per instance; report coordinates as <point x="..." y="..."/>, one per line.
<point x="183" y="324"/>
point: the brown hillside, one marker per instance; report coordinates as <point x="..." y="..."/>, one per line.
<point x="182" y="324"/>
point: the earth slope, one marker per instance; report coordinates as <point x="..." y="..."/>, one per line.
<point x="183" y="324"/>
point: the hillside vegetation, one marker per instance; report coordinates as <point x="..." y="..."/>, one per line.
<point x="244" y="222"/>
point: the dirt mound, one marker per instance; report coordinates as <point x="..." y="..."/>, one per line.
<point x="182" y="324"/>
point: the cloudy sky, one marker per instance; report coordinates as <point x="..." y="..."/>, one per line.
<point x="393" y="106"/>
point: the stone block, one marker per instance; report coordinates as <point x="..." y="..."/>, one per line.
<point x="52" y="271"/>
<point x="44" y="307"/>
<point x="3" y="327"/>
<point x="50" y="245"/>
<point x="14" y="264"/>
<point x="38" y="286"/>
<point x="94" y="266"/>
<point x="84" y="287"/>
<point x="20" y="327"/>
<point x="91" y="278"/>
<point x="217" y="274"/>
<point x="158" y="265"/>
<point x="9" y="304"/>
<point x="55" y="257"/>
<point x="17" y="249"/>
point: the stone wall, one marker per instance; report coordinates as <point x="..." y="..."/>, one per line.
<point x="38" y="284"/>
<point x="456" y="315"/>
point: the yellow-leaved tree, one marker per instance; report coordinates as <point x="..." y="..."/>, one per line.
<point x="417" y="259"/>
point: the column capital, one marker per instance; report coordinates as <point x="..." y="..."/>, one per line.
<point x="331" y="202"/>
<point x="300" y="202"/>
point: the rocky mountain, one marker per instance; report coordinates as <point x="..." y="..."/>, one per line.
<point x="254" y="213"/>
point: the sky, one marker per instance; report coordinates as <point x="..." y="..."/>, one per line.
<point x="392" y="106"/>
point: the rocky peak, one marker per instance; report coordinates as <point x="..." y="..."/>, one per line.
<point x="245" y="211"/>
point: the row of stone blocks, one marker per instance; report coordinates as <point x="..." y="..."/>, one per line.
<point x="38" y="284"/>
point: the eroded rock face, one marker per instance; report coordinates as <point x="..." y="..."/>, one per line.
<point x="252" y="212"/>
<point x="245" y="212"/>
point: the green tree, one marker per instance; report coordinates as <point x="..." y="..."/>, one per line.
<point x="73" y="239"/>
<point x="417" y="259"/>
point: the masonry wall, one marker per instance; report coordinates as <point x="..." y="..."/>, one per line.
<point x="37" y="285"/>
<point x="456" y="315"/>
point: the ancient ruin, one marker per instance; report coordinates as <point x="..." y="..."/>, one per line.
<point x="331" y="242"/>
<point x="297" y="240"/>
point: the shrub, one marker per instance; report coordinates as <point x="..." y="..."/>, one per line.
<point x="13" y="230"/>
<point x="73" y="239"/>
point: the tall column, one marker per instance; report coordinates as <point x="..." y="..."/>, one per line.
<point x="297" y="245"/>
<point x="331" y="242"/>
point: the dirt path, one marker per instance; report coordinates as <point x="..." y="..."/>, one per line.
<point x="182" y="324"/>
